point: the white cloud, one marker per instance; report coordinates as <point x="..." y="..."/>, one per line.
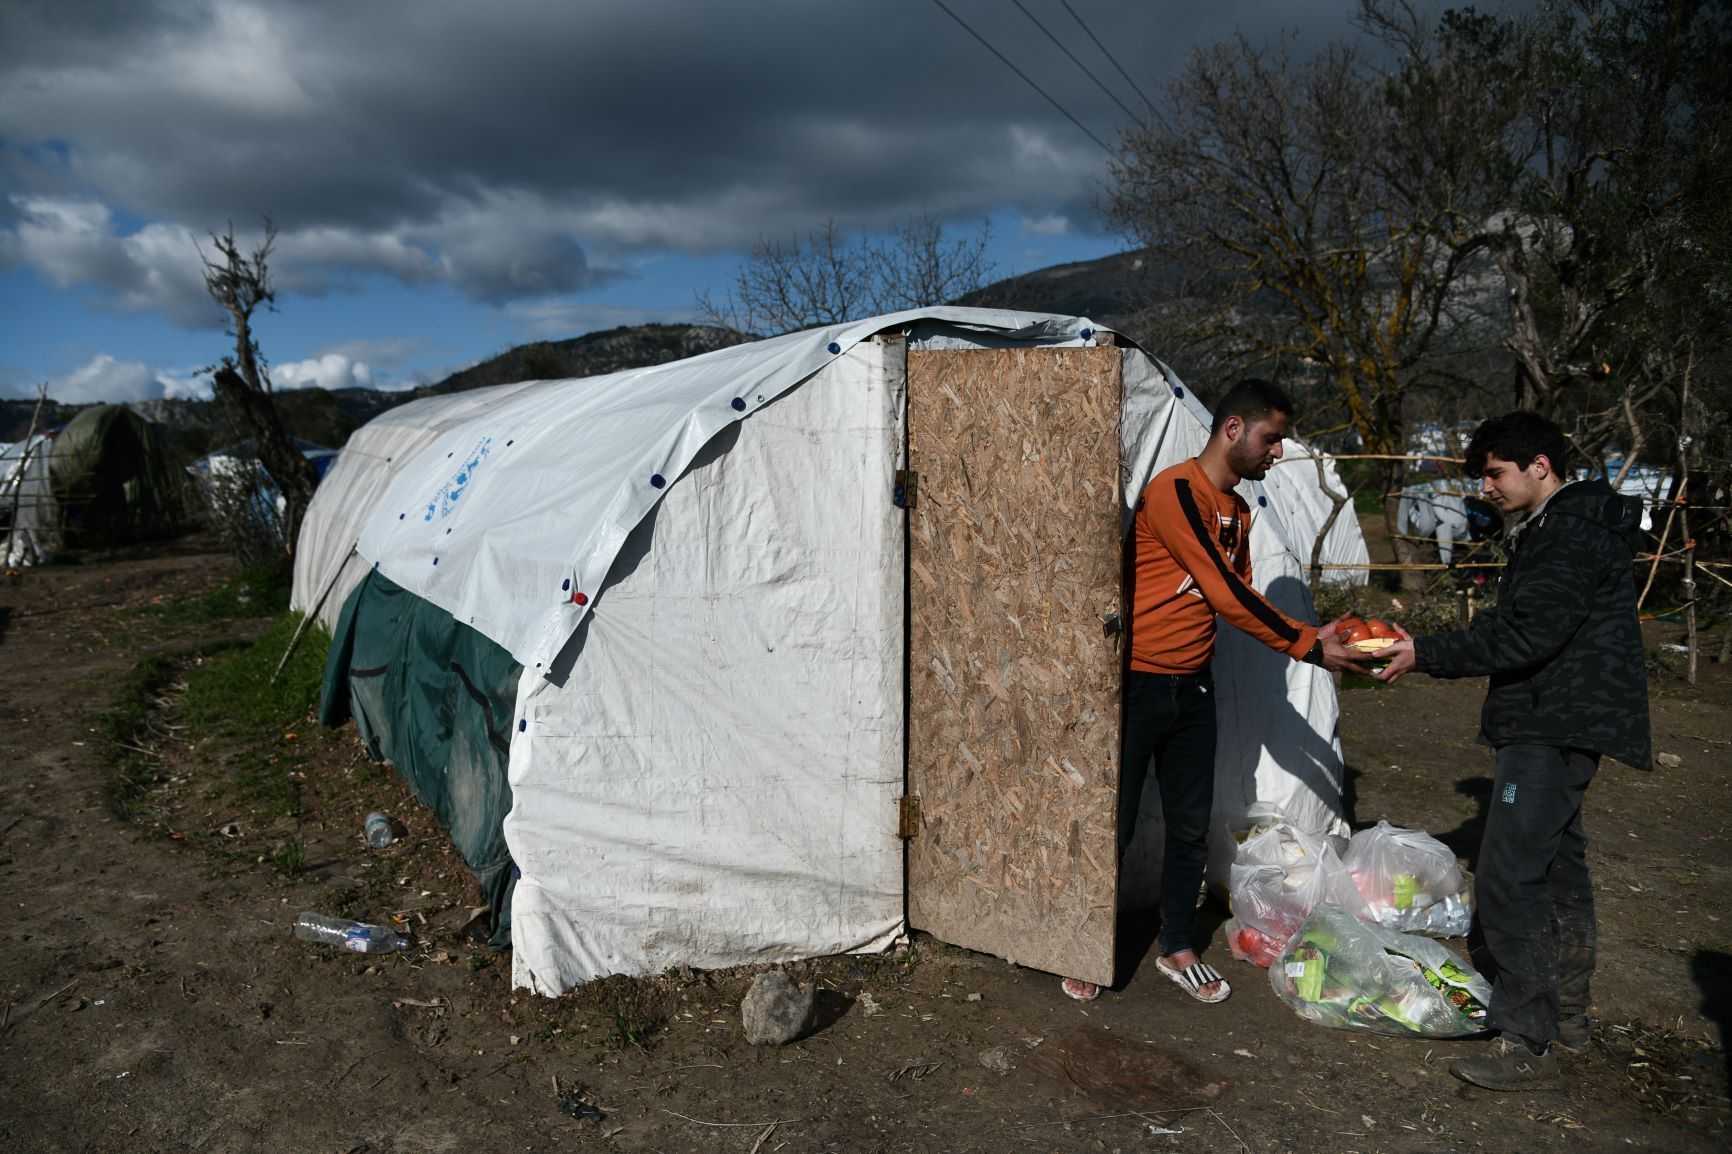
<point x="331" y="371"/>
<point x="73" y="242"/>
<point x="381" y="352"/>
<point x="1053" y="224"/>
<point x="105" y="379"/>
<point x="561" y="318"/>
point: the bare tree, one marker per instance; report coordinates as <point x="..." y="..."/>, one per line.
<point x="828" y="278"/>
<point x="1270" y="190"/>
<point x="239" y="282"/>
<point x="1598" y="144"/>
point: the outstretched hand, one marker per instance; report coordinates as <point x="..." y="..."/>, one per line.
<point x="1338" y="656"/>
<point x="1400" y="657"/>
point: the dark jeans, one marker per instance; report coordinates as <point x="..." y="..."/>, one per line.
<point x="1170" y="720"/>
<point x="1536" y="903"/>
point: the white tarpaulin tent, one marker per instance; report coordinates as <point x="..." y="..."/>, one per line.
<point x="700" y="568"/>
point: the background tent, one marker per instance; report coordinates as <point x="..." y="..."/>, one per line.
<point x="28" y="510"/>
<point x="108" y="481"/>
<point x="654" y="640"/>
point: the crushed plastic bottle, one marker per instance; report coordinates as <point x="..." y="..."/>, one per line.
<point x="361" y="937"/>
<point x="381" y="831"/>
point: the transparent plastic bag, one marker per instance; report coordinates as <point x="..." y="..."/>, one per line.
<point x="1411" y="881"/>
<point x="1279" y="875"/>
<point x="1350" y="974"/>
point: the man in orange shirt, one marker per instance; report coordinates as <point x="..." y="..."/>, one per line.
<point x="1193" y="563"/>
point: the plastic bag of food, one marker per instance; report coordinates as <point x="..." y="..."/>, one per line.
<point x="1356" y="975"/>
<point x="1411" y="881"/>
<point x="1279" y="875"/>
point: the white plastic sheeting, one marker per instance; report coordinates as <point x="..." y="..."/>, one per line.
<point x="1306" y="504"/>
<point x="326" y="566"/>
<point x="716" y="781"/>
<point x="708" y="745"/>
<point x="512" y="523"/>
<point x="32" y="512"/>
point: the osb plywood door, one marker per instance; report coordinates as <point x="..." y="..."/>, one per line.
<point x="1014" y="569"/>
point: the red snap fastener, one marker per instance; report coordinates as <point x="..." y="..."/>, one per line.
<point x="580" y="598"/>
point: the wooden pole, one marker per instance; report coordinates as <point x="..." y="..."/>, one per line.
<point x="301" y="629"/>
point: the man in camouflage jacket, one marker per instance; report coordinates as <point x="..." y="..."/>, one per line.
<point x="1563" y="649"/>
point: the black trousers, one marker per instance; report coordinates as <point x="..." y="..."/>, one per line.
<point x="1536" y="902"/>
<point x="1170" y="722"/>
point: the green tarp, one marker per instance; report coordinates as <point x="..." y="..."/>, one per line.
<point x="114" y="480"/>
<point x="435" y="698"/>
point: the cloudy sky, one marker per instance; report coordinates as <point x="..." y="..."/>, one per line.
<point x="450" y="177"/>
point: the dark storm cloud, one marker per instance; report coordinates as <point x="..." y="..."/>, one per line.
<point x="518" y="149"/>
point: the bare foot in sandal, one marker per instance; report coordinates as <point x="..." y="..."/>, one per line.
<point x="1078" y="990"/>
<point x="1194" y="977"/>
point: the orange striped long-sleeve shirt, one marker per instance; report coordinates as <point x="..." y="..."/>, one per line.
<point x="1193" y="561"/>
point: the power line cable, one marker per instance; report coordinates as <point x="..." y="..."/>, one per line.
<point x="1135" y="87"/>
<point x="1080" y="127"/>
<point x="1074" y="60"/>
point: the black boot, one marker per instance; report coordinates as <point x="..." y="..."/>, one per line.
<point x="1509" y="1066"/>
<point x="1575" y="1033"/>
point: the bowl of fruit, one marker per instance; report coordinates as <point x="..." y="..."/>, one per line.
<point x="1368" y="635"/>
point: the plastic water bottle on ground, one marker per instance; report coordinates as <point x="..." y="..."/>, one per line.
<point x="361" y="937"/>
<point x="380" y="831"/>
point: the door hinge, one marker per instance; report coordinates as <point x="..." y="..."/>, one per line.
<point x="908" y="815"/>
<point x="907" y="488"/>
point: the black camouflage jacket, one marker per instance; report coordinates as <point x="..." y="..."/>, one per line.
<point x="1562" y="645"/>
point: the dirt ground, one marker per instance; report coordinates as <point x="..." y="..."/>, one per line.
<point x="154" y="999"/>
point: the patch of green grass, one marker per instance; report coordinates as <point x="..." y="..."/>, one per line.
<point x="290" y="857"/>
<point x="125" y="729"/>
<point x="233" y="704"/>
<point x="231" y="694"/>
<point x="638" y="1008"/>
<point x="259" y="591"/>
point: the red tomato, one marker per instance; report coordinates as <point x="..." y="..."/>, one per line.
<point x="1380" y="628"/>
<point x="1353" y="631"/>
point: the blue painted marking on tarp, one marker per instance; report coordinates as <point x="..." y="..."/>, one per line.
<point x="448" y="496"/>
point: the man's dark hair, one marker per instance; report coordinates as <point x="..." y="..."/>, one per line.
<point x="1517" y="437"/>
<point x="1251" y="400"/>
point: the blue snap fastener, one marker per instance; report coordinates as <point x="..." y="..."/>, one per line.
<point x="835" y="348"/>
<point x="658" y="480"/>
<point x="522" y="725"/>
<point x="739" y="404"/>
<point x="400" y="516"/>
<point x="1263" y="501"/>
<point x="1087" y="333"/>
<point x="565" y="586"/>
<point x="1178" y="391"/>
<point x="435" y="560"/>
